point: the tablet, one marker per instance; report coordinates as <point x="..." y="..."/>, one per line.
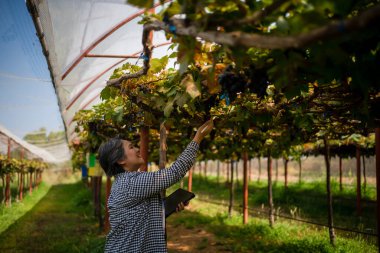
<point x="173" y="200"/>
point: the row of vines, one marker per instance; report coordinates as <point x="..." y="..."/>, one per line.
<point x="281" y="79"/>
<point x="20" y="169"/>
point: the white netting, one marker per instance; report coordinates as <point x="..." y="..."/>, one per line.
<point x="21" y="149"/>
<point x="75" y="28"/>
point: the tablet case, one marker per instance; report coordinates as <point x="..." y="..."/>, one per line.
<point x="173" y="200"/>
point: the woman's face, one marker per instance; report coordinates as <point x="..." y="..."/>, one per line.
<point x="132" y="159"/>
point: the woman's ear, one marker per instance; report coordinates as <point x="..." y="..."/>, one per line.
<point x="122" y="162"/>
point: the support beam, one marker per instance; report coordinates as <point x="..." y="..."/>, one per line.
<point x="286" y="172"/>
<point x="270" y="193"/>
<point x="217" y="171"/>
<point x="8" y="178"/>
<point x="245" y="188"/>
<point x="162" y="164"/>
<point x="329" y="195"/>
<point x="340" y="174"/>
<point x="358" y="183"/>
<point x="231" y="187"/>
<point x="377" y="141"/>
<point x="190" y="180"/>
<point x="107" y="214"/>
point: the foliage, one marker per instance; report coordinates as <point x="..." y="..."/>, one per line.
<point x="266" y="101"/>
<point x="10" y="166"/>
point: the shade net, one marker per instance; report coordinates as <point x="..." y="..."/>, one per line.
<point x="78" y="35"/>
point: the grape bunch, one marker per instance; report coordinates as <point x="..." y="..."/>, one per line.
<point x="257" y="81"/>
<point x="252" y="79"/>
<point x="232" y="82"/>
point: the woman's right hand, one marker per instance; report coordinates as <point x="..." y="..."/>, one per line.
<point x="204" y="130"/>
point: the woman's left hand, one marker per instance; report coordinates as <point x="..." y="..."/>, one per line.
<point x="181" y="206"/>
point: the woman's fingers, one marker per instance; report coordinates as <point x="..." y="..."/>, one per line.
<point x="180" y="207"/>
<point x="206" y="128"/>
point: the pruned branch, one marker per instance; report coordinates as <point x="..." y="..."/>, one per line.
<point x="235" y="39"/>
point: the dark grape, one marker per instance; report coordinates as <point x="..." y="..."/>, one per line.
<point x="258" y="81"/>
<point x="232" y="82"/>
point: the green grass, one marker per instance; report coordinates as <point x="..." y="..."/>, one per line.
<point x="61" y="222"/>
<point x="303" y="201"/>
<point x="257" y="236"/>
<point x="8" y="215"/>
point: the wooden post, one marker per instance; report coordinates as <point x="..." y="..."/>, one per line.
<point x="30" y="182"/>
<point x="217" y="171"/>
<point x="107" y="214"/>
<point x="276" y="170"/>
<point x="205" y="169"/>
<point x="329" y="195"/>
<point x="364" y="174"/>
<point x="249" y="170"/>
<point x="245" y="188"/>
<point x="286" y="172"/>
<point x="94" y="182"/>
<point x="228" y="171"/>
<point x="237" y="174"/>
<point x="377" y="141"/>
<point x="200" y="169"/>
<point x="21" y="189"/>
<point x="190" y="181"/>
<point x="35" y="179"/>
<point x="230" y="206"/>
<point x="358" y="183"/>
<point x="144" y="146"/>
<point x="98" y="201"/>
<point x="8" y="178"/>
<point x="340" y="174"/>
<point x="162" y="164"/>
<point x="3" y="191"/>
<point x="300" y="171"/>
<point x="21" y="186"/>
<point x="258" y="179"/>
<point x="270" y="193"/>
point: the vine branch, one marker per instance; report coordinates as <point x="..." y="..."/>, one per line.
<point x="235" y="39"/>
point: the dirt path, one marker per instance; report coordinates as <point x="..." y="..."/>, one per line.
<point x="191" y="240"/>
<point x="182" y="239"/>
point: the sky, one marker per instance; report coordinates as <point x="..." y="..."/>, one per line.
<point x="27" y="97"/>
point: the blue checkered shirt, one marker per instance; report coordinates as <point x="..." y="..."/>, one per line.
<point x="135" y="206"/>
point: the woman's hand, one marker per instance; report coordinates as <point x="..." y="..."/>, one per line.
<point x="203" y="130"/>
<point x="181" y="206"/>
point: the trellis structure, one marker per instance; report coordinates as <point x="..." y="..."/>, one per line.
<point x="83" y="42"/>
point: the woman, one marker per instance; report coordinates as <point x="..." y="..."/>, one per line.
<point x="135" y="206"/>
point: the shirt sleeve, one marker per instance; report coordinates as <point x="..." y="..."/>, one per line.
<point x="147" y="184"/>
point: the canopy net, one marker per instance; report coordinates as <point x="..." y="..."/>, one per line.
<point x="15" y="147"/>
<point x="85" y="40"/>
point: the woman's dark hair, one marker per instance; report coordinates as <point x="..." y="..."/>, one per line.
<point x="110" y="152"/>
